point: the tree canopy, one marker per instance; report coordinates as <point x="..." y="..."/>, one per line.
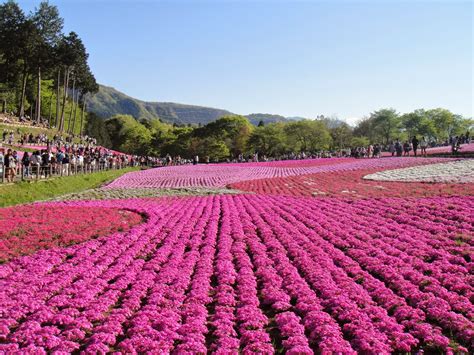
<point x="42" y="69"/>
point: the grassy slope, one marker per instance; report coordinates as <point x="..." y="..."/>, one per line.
<point x="29" y="129"/>
<point x="25" y="192"/>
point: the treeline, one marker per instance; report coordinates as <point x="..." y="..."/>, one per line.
<point x="232" y="135"/>
<point x="44" y="74"/>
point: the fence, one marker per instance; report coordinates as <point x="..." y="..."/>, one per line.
<point x="41" y="172"/>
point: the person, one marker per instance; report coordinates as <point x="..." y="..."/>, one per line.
<point x="414" y="143"/>
<point x="370" y="149"/>
<point x="398" y="148"/>
<point x="391" y="148"/>
<point x="35" y="162"/>
<point x="65" y="165"/>
<point x="423" y="146"/>
<point x="406" y="149"/>
<point x="45" y="160"/>
<point x="196" y="160"/>
<point x="25" y="161"/>
<point x="10" y="166"/>
<point x="455" y="145"/>
<point x="377" y="151"/>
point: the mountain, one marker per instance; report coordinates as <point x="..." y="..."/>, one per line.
<point x="255" y="118"/>
<point x="108" y="102"/>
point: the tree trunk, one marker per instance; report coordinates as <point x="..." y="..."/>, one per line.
<point x="58" y="94"/>
<point x="75" y="111"/>
<point x="23" y="92"/>
<point x="66" y="84"/>
<point x="82" y="114"/>
<point x="50" y="109"/>
<point x="38" y="99"/>
<point x="72" y="107"/>
<point x="4" y="107"/>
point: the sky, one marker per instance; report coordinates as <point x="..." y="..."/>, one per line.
<point x="293" y="58"/>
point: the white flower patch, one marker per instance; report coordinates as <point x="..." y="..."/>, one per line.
<point x="459" y="171"/>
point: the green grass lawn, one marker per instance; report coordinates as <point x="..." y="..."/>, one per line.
<point x="25" y="192"/>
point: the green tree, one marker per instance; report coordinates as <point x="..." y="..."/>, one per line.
<point x="443" y="121"/>
<point x="307" y="135"/>
<point x="359" y="142"/>
<point x="268" y="140"/>
<point x="211" y="147"/>
<point x="233" y="130"/>
<point x="341" y="135"/>
<point x="48" y="26"/>
<point x="418" y="123"/>
<point x="386" y="124"/>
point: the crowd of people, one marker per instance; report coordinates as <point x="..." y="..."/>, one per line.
<point x="59" y="155"/>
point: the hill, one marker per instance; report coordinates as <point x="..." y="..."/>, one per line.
<point x="255" y="118"/>
<point x="109" y="102"/>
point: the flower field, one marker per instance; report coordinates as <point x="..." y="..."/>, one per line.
<point x="291" y="264"/>
<point x="221" y="175"/>
<point x="30" y="228"/>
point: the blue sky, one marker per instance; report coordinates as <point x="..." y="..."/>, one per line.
<point x="295" y="58"/>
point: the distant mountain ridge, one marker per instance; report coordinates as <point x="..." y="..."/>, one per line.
<point x="108" y="102"/>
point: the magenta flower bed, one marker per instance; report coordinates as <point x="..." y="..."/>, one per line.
<point x="27" y="229"/>
<point x="221" y="175"/>
<point x="250" y="273"/>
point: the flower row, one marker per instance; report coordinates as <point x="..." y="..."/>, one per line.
<point x="221" y="175"/>
<point x="247" y="273"/>
<point x="350" y="184"/>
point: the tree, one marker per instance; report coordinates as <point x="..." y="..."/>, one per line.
<point x="233" y="130"/>
<point x="417" y="123"/>
<point x="307" y="135"/>
<point x="443" y="121"/>
<point x="386" y="123"/>
<point x="73" y="56"/>
<point x="268" y="140"/>
<point x="359" y="142"/>
<point x="48" y="26"/>
<point x="12" y="25"/>
<point x="210" y="147"/>
<point x="341" y="135"/>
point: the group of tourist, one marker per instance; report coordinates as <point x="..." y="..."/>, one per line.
<point x="71" y="160"/>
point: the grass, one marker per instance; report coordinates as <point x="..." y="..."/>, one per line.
<point x="25" y="192"/>
<point x="31" y="129"/>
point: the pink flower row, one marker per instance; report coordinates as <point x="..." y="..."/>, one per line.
<point x="220" y="175"/>
<point x="246" y="273"/>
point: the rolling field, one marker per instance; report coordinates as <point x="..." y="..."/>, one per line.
<point x="299" y="257"/>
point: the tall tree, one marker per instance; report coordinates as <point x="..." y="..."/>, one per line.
<point x="48" y="26"/>
<point x="72" y="55"/>
<point x="386" y="123"/>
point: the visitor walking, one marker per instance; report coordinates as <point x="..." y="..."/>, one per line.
<point x="398" y="148"/>
<point x="406" y="149"/>
<point x="414" y="143"/>
<point x="25" y="162"/>
<point x="423" y="146"/>
<point x="9" y="163"/>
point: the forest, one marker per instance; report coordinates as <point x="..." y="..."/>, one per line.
<point x="44" y="74"/>
<point x="232" y="135"/>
